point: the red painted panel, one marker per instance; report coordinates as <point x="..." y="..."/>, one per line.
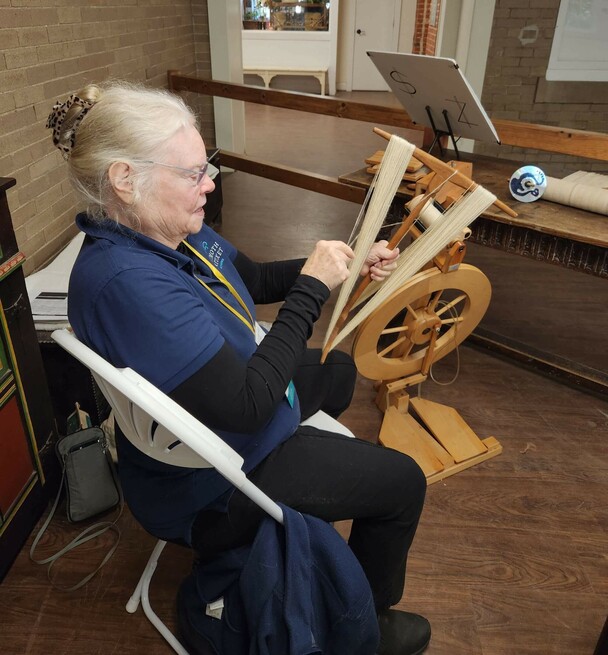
<point x="16" y="465"/>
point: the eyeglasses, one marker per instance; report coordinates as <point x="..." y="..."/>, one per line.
<point x="195" y="176"/>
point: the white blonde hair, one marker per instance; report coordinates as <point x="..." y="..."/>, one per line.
<point x="127" y="123"/>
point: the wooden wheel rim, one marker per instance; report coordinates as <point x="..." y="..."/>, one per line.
<point x="467" y="281"/>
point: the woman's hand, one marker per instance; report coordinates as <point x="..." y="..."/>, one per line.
<point x="328" y="262"/>
<point x="380" y="262"/>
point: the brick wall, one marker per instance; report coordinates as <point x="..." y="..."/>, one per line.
<point x="427" y="21"/>
<point x="515" y="87"/>
<point x="53" y="50"/>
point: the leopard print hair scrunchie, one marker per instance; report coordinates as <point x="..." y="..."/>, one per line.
<point x="57" y="116"/>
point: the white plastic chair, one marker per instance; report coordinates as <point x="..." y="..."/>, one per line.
<point x="162" y="429"/>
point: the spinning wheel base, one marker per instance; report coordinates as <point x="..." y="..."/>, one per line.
<point x="452" y="446"/>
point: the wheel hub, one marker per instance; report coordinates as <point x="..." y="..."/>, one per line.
<point x="421" y="328"/>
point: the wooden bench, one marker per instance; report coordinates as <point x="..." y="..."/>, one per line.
<point x="269" y="72"/>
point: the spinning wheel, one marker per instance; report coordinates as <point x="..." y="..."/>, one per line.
<point x="425" y="309"/>
<point x="421" y="322"/>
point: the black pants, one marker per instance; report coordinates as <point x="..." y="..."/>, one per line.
<point x="327" y="386"/>
<point x="334" y="478"/>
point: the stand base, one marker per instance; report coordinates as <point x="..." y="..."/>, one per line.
<point x="444" y="446"/>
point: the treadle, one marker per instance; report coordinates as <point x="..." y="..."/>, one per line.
<point x="449" y="428"/>
<point x="403" y="433"/>
<point x="445" y="445"/>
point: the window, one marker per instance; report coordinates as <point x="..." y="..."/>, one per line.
<point x="309" y="15"/>
<point x="580" y="46"/>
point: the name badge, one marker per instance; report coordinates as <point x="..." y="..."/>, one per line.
<point x="290" y="393"/>
<point x="260" y="333"/>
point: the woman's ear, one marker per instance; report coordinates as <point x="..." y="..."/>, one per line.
<point x="120" y="175"/>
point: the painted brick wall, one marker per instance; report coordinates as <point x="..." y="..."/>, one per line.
<point x="51" y="49"/>
<point x="515" y="87"/>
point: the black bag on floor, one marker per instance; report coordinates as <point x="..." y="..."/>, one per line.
<point x="90" y="479"/>
<point x="92" y="487"/>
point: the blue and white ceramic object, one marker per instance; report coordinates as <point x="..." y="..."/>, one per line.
<point x="527" y="184"/>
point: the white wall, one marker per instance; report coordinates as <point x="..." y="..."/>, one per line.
<point x="285" y="48"/>
<point x="407" y="27"/>
<point x="465" y="37"/>
<point x="346" y="27"/>
<point x="226" y="64"/>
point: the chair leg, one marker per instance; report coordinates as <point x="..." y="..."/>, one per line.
<point x="135" y="599"/>
<point x="141" y="593"/>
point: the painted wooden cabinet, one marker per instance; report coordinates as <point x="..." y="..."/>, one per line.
<point x="27" y="430"/>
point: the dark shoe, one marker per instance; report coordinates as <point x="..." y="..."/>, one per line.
<point x="402" y="633"/>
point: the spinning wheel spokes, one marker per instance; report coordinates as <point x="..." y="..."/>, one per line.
<point x="451" y="304"/>
<point x="394" y="345"/>
<point x="394" y="330"/>
<point x="434" y="310"/>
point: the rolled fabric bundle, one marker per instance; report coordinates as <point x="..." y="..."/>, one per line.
<point x="583" y="196"/>
<point x="590" y="179"/>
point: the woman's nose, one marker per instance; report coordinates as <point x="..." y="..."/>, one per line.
<point x="207" y="185"/>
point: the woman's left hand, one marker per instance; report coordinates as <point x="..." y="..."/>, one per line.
<point x="380" y="261"/>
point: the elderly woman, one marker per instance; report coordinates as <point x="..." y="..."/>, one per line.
<point x="157" y="290"/>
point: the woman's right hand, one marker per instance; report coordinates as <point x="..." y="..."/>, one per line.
<point x="328" y="262"/>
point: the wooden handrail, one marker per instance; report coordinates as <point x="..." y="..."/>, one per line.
<point x="567" y="141"/>
<point x="577" y="143"/>
<point x="290" y="100"/>
<point x="328" y="186"/>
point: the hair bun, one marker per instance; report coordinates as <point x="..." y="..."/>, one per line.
<point x="64" y="119"/>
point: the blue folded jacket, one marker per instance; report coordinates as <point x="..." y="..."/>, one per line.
<point x="298" y="590"/>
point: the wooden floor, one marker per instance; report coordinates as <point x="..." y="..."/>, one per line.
<point x="511" y="556"/>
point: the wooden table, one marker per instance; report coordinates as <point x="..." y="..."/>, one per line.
<point x="543" y="230"/>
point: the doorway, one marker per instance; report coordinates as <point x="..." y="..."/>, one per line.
<point x="376" y="27"/>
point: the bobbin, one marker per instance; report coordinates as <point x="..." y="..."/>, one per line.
<point x="429" y="214"/>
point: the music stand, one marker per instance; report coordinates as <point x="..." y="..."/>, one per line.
<point x="435" y="93"/>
